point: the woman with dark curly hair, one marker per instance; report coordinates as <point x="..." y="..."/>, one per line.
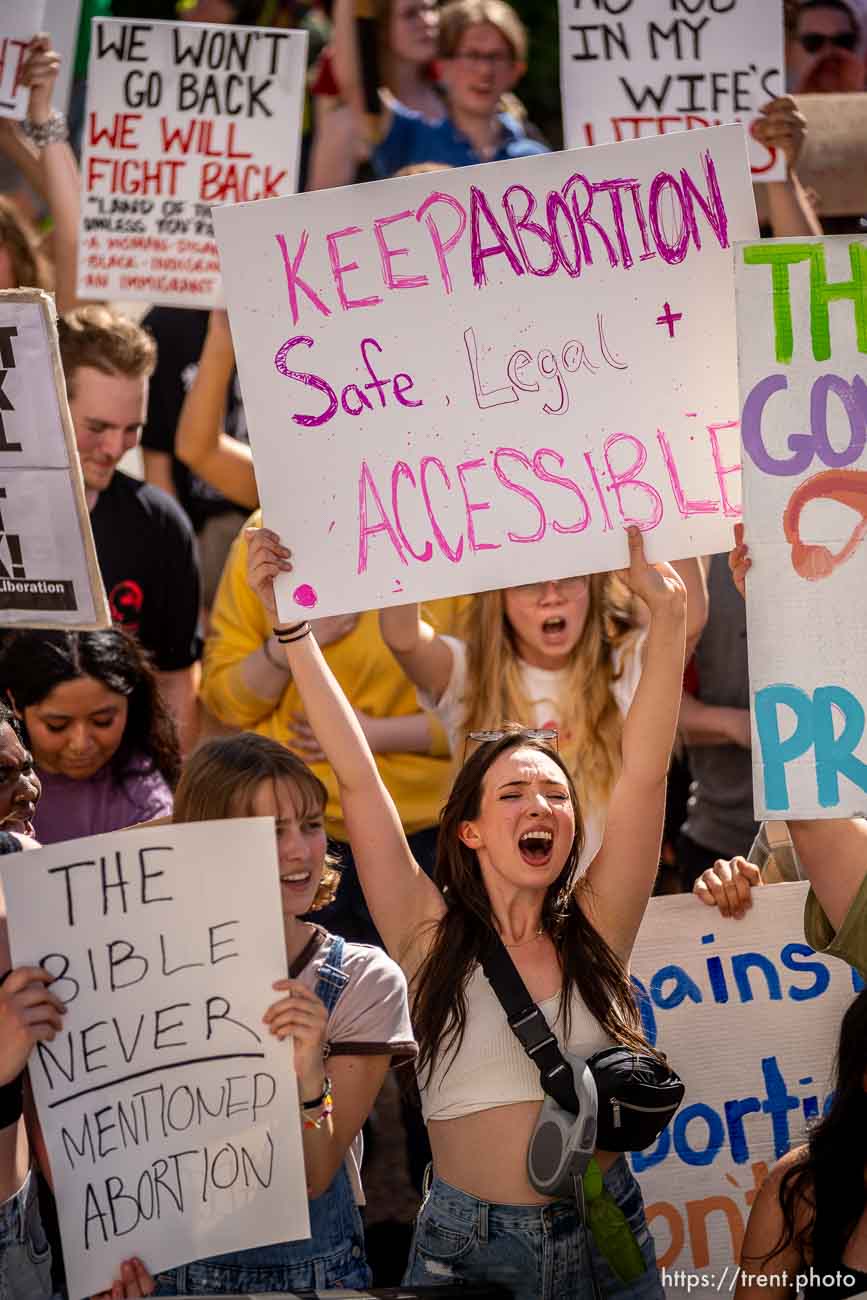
<point x="104" y="747"/>
<point x="810" y="1217"/>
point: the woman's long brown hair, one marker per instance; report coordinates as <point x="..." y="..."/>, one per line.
<point x="589" y="965"/>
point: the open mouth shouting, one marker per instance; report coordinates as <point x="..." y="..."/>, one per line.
<point x="536" y="846"/>
<point x="20" y="821"/>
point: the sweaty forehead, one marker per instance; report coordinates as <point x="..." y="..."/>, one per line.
<point x="11" y="749"/>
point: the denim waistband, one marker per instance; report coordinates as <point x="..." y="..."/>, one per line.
<point x="491" y="1216"/>
<point x="13" y="1213"/>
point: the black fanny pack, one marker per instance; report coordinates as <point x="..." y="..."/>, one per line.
<point x="637" y="1096"/>
<point x="636" y="1093"/>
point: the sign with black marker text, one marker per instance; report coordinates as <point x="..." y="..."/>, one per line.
<point x="630" y="69"/>
<point x="49" y="576"/>
<point x="170" y="1114"/>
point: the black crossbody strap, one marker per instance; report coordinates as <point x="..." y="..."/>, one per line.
<point x="529" y="1025"/>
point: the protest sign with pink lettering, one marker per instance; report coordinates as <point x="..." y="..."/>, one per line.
<point x="180" y="116"/>
<point x="474" y="378"/>
<point x="630" y="69"/>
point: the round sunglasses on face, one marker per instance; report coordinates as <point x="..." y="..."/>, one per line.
<point x="567" y="587"/>
<point x="815" y="42"/>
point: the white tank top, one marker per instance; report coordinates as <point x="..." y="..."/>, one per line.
<point x="491" y="1067"/>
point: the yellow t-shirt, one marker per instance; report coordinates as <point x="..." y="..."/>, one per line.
<point x="369" y="674"/>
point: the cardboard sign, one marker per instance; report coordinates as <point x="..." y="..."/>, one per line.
<point x="459" y="381"/>
<point x="802" y="336"/>
<point x="636" y="68"/>
<point x="20" y="20"/>
<point x="749" y="1017"/>
<point x="170" y="1114"/>
<point x="834" y="157"/>
<point x="49" y="576"/>
<point x="181" y="116"/>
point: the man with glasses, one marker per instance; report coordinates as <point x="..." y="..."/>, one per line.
<point x="822" y="55"/>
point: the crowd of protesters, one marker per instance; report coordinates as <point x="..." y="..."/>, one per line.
<point x="491" y="764"/>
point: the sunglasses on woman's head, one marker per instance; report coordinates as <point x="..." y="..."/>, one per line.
<point x="814" y="42"/>
<point x="528" y="733"/>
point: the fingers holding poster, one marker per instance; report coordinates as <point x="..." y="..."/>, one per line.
<point x="49" y="576"/>
<point x="170" y="1114"/>
<point x="641" y="68"/>
<point x="802" y="338"/>
<point x="181" y="116"/>
<point x="492" y="371"/>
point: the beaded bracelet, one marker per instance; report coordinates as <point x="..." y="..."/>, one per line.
<point x="286" y="635"/>
<point x="47" y="132"/>
<point x="327" y="1109"/>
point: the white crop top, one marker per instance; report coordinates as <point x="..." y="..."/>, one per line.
<point x="491" y="1067"/>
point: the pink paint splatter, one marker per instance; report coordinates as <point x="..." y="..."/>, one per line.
<point x="305" y="595"/>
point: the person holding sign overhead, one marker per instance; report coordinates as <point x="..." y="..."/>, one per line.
<point x="509" y="842"/>
<point x="565" y="655"/>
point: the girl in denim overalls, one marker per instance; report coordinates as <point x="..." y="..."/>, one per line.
<point x="344" y="1005"/>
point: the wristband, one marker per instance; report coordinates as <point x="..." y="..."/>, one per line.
<point x="286" y="635"/>
<point x="318" y="1101"/>
<point x="48" y="132"/>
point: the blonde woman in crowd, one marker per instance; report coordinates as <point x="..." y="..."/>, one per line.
<point x="564" y="657"/>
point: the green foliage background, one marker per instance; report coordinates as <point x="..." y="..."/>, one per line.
<point x="540" y="89"/>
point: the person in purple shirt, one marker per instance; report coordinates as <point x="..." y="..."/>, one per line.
<point x="483" y="52"/>
<point x="103" y="744"/>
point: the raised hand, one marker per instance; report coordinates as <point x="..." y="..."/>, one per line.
<point x="39" y="72"/>
<point x="266" y="558"/>
<point x="658" y="585"/>
<point x="739" y="561"/>
<point x="782" y="127"/>
<point x="29" y="1014"/>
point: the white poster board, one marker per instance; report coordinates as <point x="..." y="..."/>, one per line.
<point x="641" y="68"/>
<point x="749" y="1017"/>
<point x="459" y="381"/>
<point x="170" y="1114"/>
<point x="20" y="20"/>
<point x="801" y="343"/>
<point x="180" y="116"/>
<point x="49" y="575"/>
<point x="61" y="20"/>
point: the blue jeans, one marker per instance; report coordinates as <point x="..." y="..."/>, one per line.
<point x="538" y="1252"/>
<point x="333" y="1256"/>
<point x="25" y="1255"/>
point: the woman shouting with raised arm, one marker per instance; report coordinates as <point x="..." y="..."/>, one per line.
<point x="510" y="838"/>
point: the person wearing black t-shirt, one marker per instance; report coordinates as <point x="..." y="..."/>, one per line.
<point x="144" y="542"/>
<point x="180" y="337"/>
